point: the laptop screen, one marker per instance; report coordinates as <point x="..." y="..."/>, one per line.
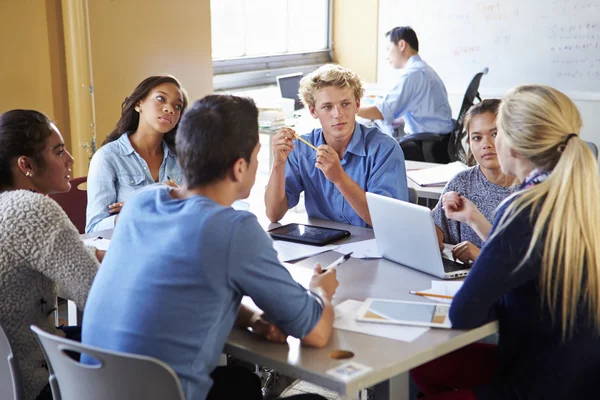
<point x="288" y="86"/>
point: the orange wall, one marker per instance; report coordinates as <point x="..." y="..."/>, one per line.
<point x="130" y="40"/>
<point x="355" y="25"/>
<point x="134" y="39"/>
<point x="32" y="72"/>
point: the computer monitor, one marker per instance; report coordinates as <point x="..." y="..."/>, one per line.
<point x="288" y="86"/>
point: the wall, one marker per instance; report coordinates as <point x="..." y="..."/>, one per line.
<point x="460" y="38"/>
<point x="134" y="39"/>
<point x="355" y="30"/>
<point x="32" y="68"/>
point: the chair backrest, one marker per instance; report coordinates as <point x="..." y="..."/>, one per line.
<point x="117" y="376"/>
<point x="11" y="386"/>
<point x="593" y="147"/>
<point x="455" y="149"/>
<point x="413" y="196"/>
<point x="74" y="202"/>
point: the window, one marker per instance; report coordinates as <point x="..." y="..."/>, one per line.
<point x="268" y="38"/>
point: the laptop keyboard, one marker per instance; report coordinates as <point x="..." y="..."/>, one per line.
<point x="451" y="266"/>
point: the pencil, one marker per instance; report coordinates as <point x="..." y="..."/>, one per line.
<point x="305" y="141"/>
<point x="441" y="296"/>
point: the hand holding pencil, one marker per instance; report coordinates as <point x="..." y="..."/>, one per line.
<point x="282" y="145"/>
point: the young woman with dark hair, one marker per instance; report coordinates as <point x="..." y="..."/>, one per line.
<point x="40" y="248"/>
<point x="140" y="150"/>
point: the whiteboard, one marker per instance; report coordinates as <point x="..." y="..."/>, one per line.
<point x="551" y="42"/>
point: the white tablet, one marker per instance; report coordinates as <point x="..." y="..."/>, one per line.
<point x="385" y="311"/>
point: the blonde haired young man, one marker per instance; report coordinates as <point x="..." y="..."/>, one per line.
<point x="350" y="159"/>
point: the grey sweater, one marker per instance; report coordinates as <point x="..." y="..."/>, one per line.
<point x="40" y="250"/>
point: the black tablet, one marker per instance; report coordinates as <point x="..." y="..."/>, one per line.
<point x="308" y="234"/>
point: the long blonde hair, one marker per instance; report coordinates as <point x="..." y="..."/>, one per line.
<point x="535" y="122"/>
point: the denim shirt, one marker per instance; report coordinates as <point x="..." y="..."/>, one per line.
<point x="116" y="172"/>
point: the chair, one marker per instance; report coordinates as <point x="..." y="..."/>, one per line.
<point x="413" y="196"/>
<point x="74" y="202"/>
<point x="11" y="386"/>
<point x="443" y="148"/>
<point x="117" y="376"/>
<point x="593" y="148"/>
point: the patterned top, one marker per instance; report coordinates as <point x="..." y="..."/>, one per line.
<point x="40" y="249"/>
<point x="487" y="196"/>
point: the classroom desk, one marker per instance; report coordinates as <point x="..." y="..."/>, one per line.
<point x="389" y="360"/>
<point x="425" y="192"/>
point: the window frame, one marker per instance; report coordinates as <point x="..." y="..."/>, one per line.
<point x="239" y="72"/>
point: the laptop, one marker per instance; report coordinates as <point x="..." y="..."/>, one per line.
<point x="288" y="86"/>
<point x="405" y="233"/>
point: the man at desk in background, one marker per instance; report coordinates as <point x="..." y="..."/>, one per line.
<point x="418" y="102"/>
<point x="342" y="160"/>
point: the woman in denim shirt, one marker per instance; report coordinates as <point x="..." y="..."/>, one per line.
<point x="139" y="152"/>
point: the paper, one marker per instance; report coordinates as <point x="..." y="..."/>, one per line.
<point x="345" y="314"/>
<point x="436" y="176"/>
<point x="447" y="253"/>
<point x="447" y="288"/>
<point x="290" y="251"/>
<point x="363" y="249"/>
<point x="99" y="243"/>
<point x="349" y="370"/>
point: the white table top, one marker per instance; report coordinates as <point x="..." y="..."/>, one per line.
<point x="358" y="279"/>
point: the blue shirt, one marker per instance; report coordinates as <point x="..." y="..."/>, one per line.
<point x="533" y="360"/>
<point x="419" y="97"/>
<point x="171" y="289"/>
<point x="116" y="172"/>
<point x="373" y="160"/>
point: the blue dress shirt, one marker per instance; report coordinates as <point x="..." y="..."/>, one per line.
<point x="373" y="160"/>
<point x="116" y="172"/>
<point x="419" y="97"/>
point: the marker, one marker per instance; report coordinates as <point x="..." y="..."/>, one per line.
<point x="338" y="262"/>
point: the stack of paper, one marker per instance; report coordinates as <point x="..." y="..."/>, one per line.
<point x="290" y="251"/>
<point x="363" y="249"/>
<point x="271" y="117"/>
<point x="436" y="176"/>
<point x="345" y="319"/>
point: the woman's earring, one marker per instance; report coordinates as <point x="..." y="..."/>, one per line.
<point x="137" y="109"/>
<point x="29" y="174"/>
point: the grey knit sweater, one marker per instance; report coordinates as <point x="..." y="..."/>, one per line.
<point x="40" y="250"/>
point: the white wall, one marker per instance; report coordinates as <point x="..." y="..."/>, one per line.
<point x="555" y="43"/>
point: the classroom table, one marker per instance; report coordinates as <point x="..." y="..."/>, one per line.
<point x="389" y="360"/>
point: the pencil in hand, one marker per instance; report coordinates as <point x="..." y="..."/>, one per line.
<point x="304" y="141"/>
<point x="441" y="296"/>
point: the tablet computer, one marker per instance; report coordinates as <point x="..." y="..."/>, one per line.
<point x="436" y="315"/>
<point x="308" y="234"/>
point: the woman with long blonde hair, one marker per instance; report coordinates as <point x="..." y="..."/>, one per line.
<point x="539" y="272"/>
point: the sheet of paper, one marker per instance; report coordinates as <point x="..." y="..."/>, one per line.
<point x="447" y="288"/>
<point x="345" y="314"/>
<point x="290" y="251"/>
<point x="436" y="176"/>
<point x="99" y="243"/>
<point x="363" y="249"/>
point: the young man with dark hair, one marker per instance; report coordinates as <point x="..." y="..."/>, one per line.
<point x="181" y="259"/>
<point x="419" y="101"/>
